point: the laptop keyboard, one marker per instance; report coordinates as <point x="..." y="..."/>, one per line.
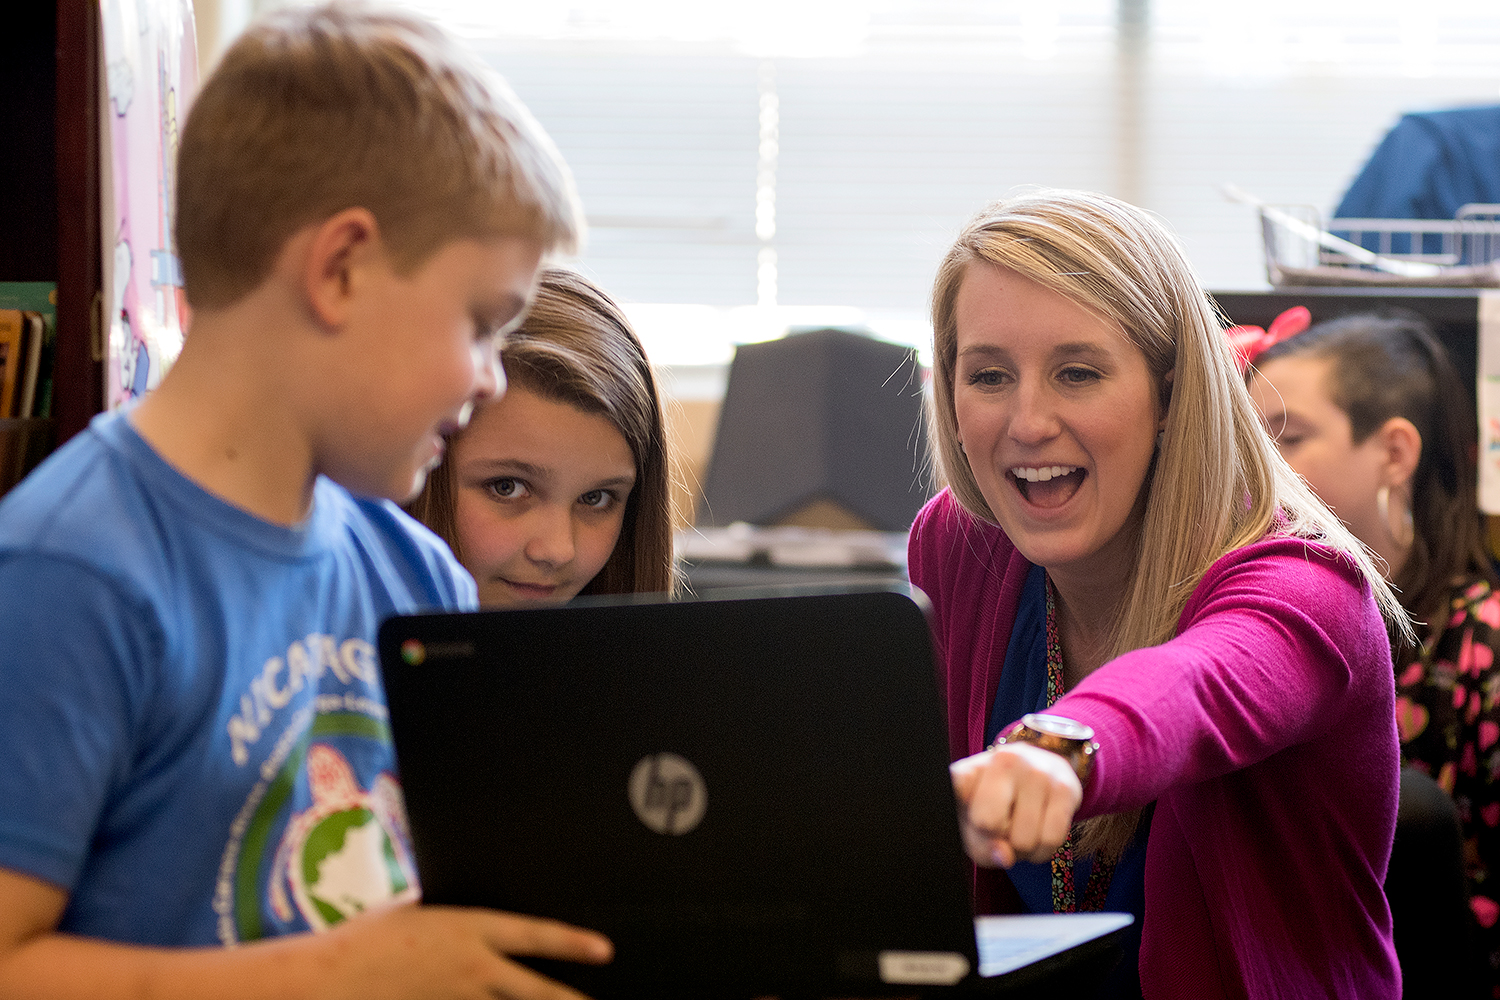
<point x="1007" y="943"/>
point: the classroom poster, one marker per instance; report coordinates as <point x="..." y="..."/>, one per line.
<point x="149" y="65"/>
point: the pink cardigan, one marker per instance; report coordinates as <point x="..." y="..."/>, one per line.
<point x="1265" y="732"/>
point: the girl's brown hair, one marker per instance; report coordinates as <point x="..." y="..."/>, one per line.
<point x="575" y="346"/>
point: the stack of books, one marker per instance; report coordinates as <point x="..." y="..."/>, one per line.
<point x="28" y="320"/>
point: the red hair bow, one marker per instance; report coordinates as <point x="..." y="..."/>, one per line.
<point x="1250" y="342"/>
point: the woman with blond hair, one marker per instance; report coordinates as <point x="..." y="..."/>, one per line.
<point x="1165" y="662"/>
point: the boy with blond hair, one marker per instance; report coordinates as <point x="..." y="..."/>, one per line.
<point x="192" y="725"/>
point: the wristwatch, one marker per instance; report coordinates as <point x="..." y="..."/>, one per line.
<point x="1068" y="737"/>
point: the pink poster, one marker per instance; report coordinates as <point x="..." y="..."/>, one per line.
<point x="150" y="68"/>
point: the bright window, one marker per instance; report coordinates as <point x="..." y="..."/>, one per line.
<point x="749" y="165"/>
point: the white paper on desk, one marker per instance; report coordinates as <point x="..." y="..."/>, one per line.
<point x="1487" y="391"/>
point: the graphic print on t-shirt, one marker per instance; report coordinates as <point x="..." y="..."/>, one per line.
<point x="322" y="836"/>
<point x="344" y="854"/>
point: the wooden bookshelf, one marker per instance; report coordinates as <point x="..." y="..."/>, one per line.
<point x="49" y="206"/>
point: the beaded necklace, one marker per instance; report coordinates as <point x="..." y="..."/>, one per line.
<point x="1064" y="895"/>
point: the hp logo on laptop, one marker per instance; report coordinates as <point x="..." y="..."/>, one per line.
<point x="668" y="794"/>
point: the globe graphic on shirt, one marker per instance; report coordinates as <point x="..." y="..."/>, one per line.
<point x="342" y="855"/>
<point x="349" y="865"/>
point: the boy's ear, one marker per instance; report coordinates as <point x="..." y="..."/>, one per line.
<point x="1401" y="450"/>
<point x="339" y="248"/>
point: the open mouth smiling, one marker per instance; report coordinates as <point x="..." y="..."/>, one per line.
<point x="1047" y="485"/>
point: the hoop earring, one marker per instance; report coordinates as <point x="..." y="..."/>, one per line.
<point x="1406" y="533"/>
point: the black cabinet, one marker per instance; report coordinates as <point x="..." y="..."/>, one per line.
<point x="1453" y="313"/>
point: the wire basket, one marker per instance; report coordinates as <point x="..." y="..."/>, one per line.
<point x="1462" y="251"/>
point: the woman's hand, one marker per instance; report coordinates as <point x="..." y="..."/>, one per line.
<point x="1015" y="802"/>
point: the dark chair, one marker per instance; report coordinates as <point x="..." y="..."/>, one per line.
<point x="822" y="428"/>
<point x="1435" y="931"/>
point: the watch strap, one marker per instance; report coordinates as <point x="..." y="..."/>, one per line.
<point x="1038" y="730"/>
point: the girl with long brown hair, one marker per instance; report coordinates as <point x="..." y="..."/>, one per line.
<point x="561" y="486"/>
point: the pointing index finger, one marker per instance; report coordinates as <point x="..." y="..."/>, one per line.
<point x="966" y="772"/>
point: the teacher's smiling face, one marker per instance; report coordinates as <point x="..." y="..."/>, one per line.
<point x="1058" y="415"/>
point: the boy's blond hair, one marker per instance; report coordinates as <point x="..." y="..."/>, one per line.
<point x="316" y="110"/>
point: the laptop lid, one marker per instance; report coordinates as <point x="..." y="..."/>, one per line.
<point x="748" y="794"/>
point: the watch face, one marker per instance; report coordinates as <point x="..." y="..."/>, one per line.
<point x="1056" y="725"/>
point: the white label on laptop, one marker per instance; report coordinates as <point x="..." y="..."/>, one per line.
<point x="922" y="968"/>
<point x="668" y="794"/>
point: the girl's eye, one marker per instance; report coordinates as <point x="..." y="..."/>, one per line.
<point x="507" y="488"/>
<point x="597" y="499"/>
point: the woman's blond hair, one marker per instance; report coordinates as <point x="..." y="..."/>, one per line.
<point x="1217" y="481"/>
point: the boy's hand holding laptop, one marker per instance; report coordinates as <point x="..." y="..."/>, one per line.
<point x="412" y="950"/>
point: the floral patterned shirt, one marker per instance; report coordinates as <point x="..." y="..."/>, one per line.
<point x="1448" y="714"/>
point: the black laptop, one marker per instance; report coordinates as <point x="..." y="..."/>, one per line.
<point x="749" y="794"/>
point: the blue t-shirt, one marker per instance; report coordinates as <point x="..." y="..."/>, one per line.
<point x="191" y="716"/>
<point x="1023" y="689"/>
